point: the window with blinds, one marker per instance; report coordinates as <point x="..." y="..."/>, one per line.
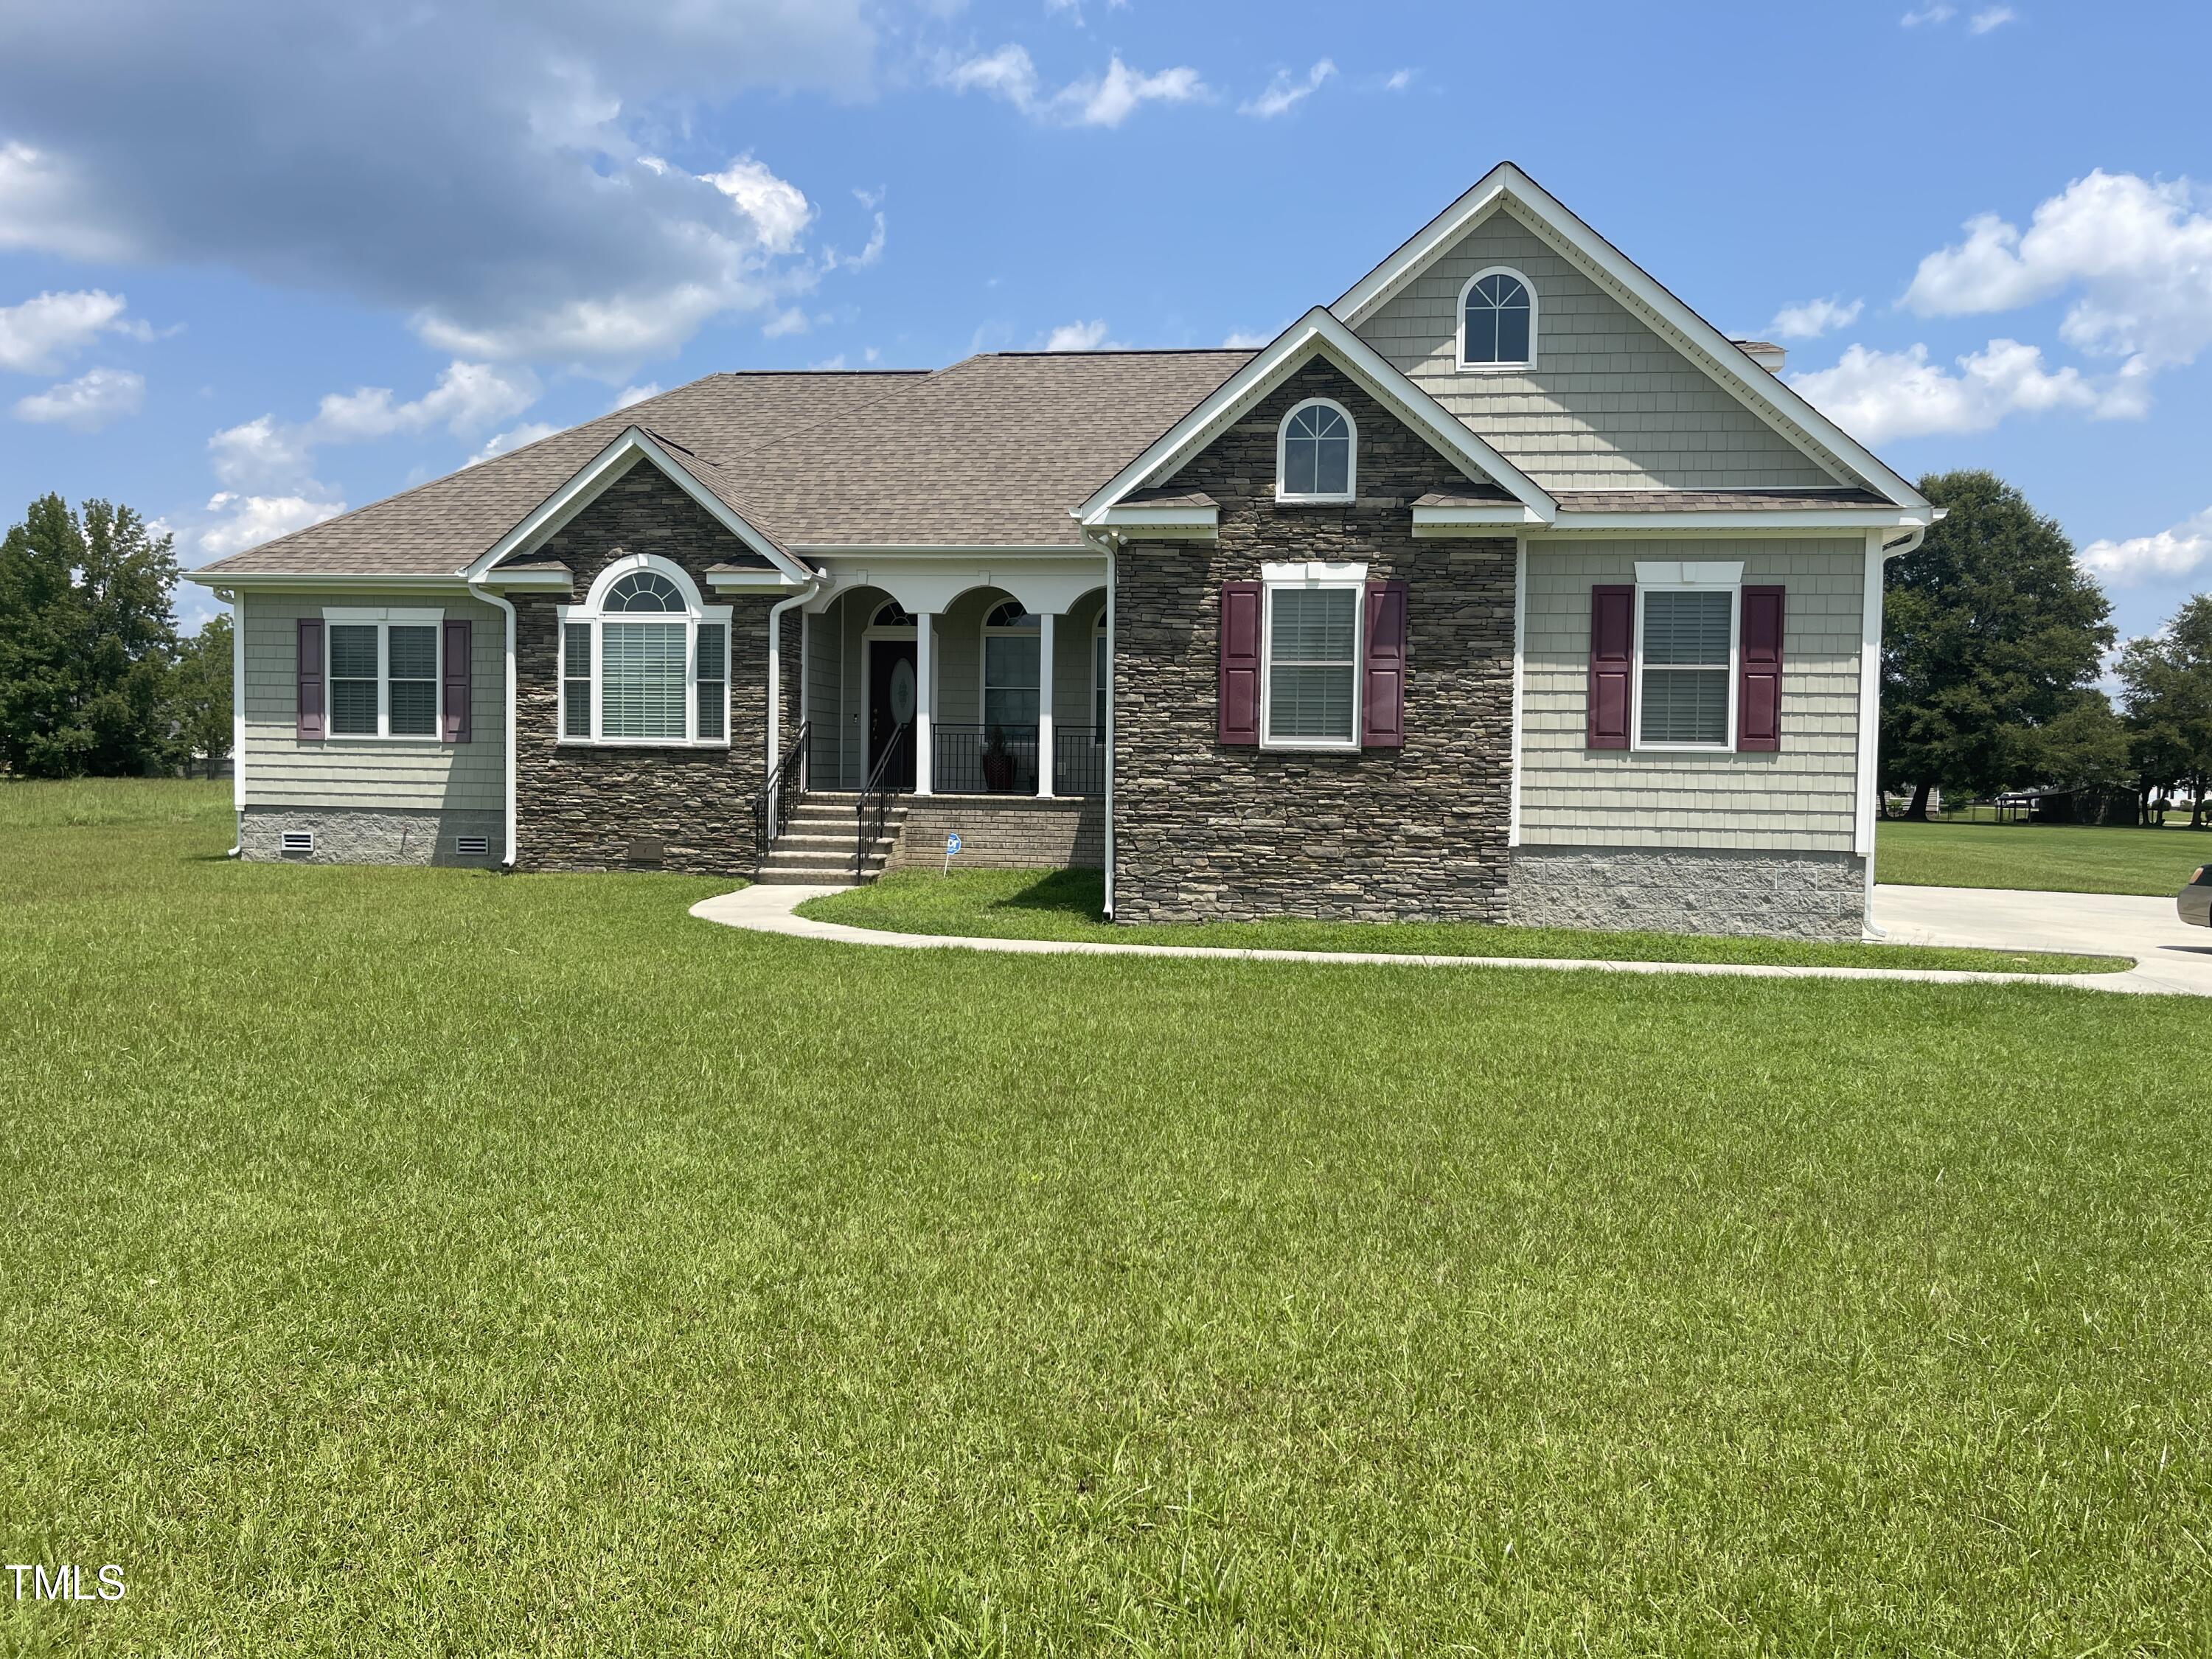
<point x="642" y="680"/>
<point x="576" y="680"/>
<point x="1313" y="664"/>
<point x="1687" y="649"/>
<point x="712" y="677"/>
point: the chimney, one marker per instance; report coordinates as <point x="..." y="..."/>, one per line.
<point x="1767" y="355"/>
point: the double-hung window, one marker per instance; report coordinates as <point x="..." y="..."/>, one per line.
<point x="643" y="661"/>
<point x="1685" y="650"/>
<point x="383" y="668"/>
<point x="1011" y="657"/>
<point x="1310" y="666"/>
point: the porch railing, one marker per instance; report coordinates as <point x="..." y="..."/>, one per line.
<point x="1078" y="761"/>
<point x="773" y="804"/>
<point x="984" y="760"/>
<point x="876" y="797"/>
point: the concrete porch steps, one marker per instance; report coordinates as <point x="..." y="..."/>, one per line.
<point x="814" y="848"/>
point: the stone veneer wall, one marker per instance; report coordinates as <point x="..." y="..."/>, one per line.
<point x="1812" y="896"/>
<point x="581" y="808"/>
<point x="1002" y="832"/>
<point x="361" y="834"/>
<point x="1204" y="831"/>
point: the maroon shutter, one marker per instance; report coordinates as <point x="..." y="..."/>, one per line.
<point x="1239" y="700"/>
<point x="1382" y="711"/>
<point x="1611" y="664"/>
<point x="308" y="726"/>
<point x="454" y="717"/>
<point x="1759" y="673"/>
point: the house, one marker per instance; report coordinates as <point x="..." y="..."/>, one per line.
<point x="1503" y="588"/>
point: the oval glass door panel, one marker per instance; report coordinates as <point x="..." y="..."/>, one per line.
<point x="902" y="693"/>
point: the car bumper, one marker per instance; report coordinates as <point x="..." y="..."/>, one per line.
<point x="2193" y="904"/>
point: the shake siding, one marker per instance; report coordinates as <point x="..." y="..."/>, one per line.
<point x="1799" y="799"/>
<point x="1608" y="404"/>
<point x="414" y="774"/>
<point x="824" y="709"/>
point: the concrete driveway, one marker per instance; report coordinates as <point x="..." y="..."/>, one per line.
<point x="2170" y="957"/>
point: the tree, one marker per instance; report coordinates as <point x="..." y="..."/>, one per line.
<point x="199" y="694"/>
<point x="2165" y="682"/>
<point x="87" y="638"/>
<point x="1990" y="635"/>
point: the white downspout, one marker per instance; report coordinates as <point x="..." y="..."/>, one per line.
<point x="775" y="615"/>
<point x="1879" y="555"/>
<point x="1104" y="543"/>
<point x="237" y="718"/>
<point x="513" y="736"/>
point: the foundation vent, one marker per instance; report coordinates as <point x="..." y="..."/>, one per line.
<point x="296" y="843"/>
<point x="472" y="847"/>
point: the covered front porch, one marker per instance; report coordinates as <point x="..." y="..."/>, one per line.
<point x="930" y="676"/>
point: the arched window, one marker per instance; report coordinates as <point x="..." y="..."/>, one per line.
<point x="892" y="614"/>
<point x="1315" y="453"/>
<point x="1011" y="661"/>
<point x="643" y="661"/>
<point x="1497" y="321"/>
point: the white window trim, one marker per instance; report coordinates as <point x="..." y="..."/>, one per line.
<point x="590" y="614"/>
<point x="384" y="618"/>
<point x="1314" y="575"/>
<point x="1458" y="324"/>
<point x="1351" y="490"/>
<point x="983" y="636"/>
<point x="1689" y="579"/>
<point x="1101" y="680"/>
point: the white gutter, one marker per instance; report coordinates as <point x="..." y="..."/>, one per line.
<point x="775" y="614"/>
<point x="1104" y="543"/>
<point x="513" y="736"/>
<point x="1878" y="554"/>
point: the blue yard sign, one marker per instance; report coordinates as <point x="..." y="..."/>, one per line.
<point x="951" y="846"/>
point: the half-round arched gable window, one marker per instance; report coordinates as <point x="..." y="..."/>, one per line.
<point x="1316" y="454"/>
<point x="1497" y="321"/>
<point x="644" y="661"/>
<point x="892" y="614"/>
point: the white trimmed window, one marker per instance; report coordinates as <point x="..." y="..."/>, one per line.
<point x="383" y="667"/>
<point x="1309" y="655"/>
<point x="1497" y="321"/>
<point x="1009" y="669"/>
<point x="1685" y="654"/>
<point x="643" y="661"/>
<point x="1316" y="454"/>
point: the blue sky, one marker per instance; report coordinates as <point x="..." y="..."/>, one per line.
<point x="258" y="260"/>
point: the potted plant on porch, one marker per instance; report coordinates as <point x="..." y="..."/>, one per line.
<point x="997" y="763"/>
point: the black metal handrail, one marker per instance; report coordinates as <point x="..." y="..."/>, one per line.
<point x="984" y="760"/>
<point x="1078" y="760"/>
<point x="769" y="806"/>
<point x="879" y="788"/>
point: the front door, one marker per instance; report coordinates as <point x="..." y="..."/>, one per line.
<point x="891" y="707"/>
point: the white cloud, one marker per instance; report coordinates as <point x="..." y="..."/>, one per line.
<point x="790" y="320"/>
<point x="528" y="432"/>
<point x="1992" y="17"/>
<point x="1283" y="94"/>
<point x="1080" y="336"/>
<point x="2138" y="252"/>
<point x="86" y="404"/>
<point x="37" y="336"/>
<point x="635" y="394"/>
<point x="467" y="399"/>
<point x="1096" y="100"/>
<point x="2177" y="551"/>
<point x="1937" y="13"/>
<point x="515" y="211"/>
<point x="1399" y="81"/>
<point x="1240" y="340"/>
<point x="249" y="521"/>
<point x="261" y="454"/>
<point x="1878" y="395"/>
<point x="1813" y="318"/>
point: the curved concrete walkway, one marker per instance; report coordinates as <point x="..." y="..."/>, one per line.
<point x="770" y="910"/>
<point x="2170" y="957"/>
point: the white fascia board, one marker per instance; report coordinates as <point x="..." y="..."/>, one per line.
<point x="1316" y="334"/>
<point x="1435" y="521"/>
<point x="592" y="480"/>
<point x="1842" y="521"/>
<point x="1767" y="396"/>
<point x="320" y="580"/>
<point x="1201" y="524"/>
<point x="937" y="550"/>
<point x="545" y="579"/>
<point x="723" y="581"/>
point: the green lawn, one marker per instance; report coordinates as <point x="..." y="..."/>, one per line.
<point x="1067" y="905"/>
<point x="2042" y="858"/>
<point x="430" y="1261"/>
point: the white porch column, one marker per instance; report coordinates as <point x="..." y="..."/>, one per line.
<point x="1045" y="621"/>
<point x="924" y="698"/>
